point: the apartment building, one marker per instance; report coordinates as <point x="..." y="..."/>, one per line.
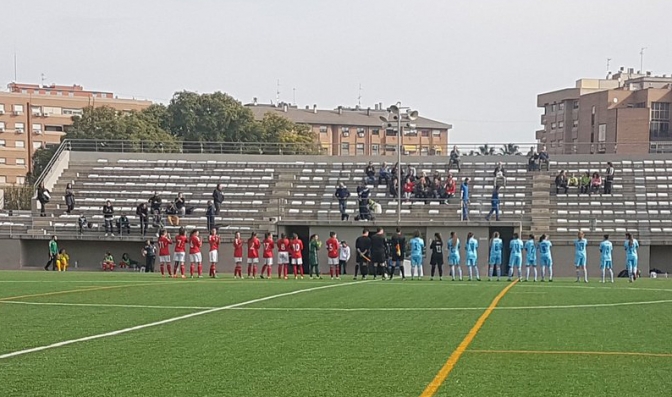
<point x="32" y="116"/>
<point x="626" y="113"/>
<point x="360" y="132"/>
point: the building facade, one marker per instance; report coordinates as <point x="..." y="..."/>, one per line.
<point x="32" y="116"/>
<point x="627" y="113"/>
<point x="360" y="132"/>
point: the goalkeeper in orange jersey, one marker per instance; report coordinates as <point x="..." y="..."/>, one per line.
<point x="62" y="260"/>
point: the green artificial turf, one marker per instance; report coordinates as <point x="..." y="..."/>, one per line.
<point x="332" y="341"/>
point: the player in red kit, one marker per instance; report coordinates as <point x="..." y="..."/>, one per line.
<point x="333" y="246"/>
<point x="269" y="245"/>
<point x="296" y="252"/>
<point x="214" y="241"/>
<point x="178" y="256"/>
<point x="238" y="255"/>
<point x="195" y="256"/>
<point x="164" y="253"/>
<point x="253" y="245"/>
<point x="283" y="256"/>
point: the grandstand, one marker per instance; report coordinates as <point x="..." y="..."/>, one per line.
<point x="295" y="193"/>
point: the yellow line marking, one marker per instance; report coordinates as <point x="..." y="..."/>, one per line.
<point x="440" y="377"/>
<point x="586" y="353"/>
<point x="73" y="291"/>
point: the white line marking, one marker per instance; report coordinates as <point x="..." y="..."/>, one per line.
<point x="107" y="305"/>
<point x="169" y="320"/>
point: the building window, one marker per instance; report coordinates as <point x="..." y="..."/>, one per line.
<point x="36" y="110"/>
<point x="53" y="128"/>
<point x="3" y="160"/>
<point x="375" y="131"/>
<point x="360" y="132"/>
<point x="424" y="132"/>
<point x="561" y="107"/>
<point x="576" y="104"/>
<point x="20" y="180"/>
<point x="436" y="132"/>
<point x="660" y="119"/>
<point x="660" y="129"/>
<point x="553" y="125"/>
<point x="561" y="124"/>
<point x="19" y="127"/>
<point x="360" y="149"/>
<point x="2" y="108"/>
<point x="323" y="129"/>
<point x="411" y="132"/>
<point x="390" y="148"/>
<point x="345" y="149"/>
<point x="2" y="126"/>
<point x="37" y="128"/>
<point x="375" y="150"/>
<point x="553" y="107"/>
<point x="37" y="145"/>
<point x="390" y="132"/>
<point x="575" y="124"/>
<point x="345" y="131"/>
<point x="19" y="144"/>
<point x="3" y="143"/>
<point x="3" y="179"/>
<point x="73" y="112"/>
<point x="20" y="161"/>
<point x="17" y="109"/>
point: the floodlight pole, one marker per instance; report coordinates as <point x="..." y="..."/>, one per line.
<point x="399" y="138"/>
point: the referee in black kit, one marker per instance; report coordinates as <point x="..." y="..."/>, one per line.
<point x="363" y="248"/>
<point x="379" y="254"/>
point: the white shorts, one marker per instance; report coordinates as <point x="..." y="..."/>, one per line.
<point x="297" y="261"/>
<point x="237" y="260"/>
<point x="164" y="259"/>
<point x="196" y="258"/>
<point x="283" y="257"/>
<point x="179" y="256"/>
<point x="332" y="261"/>
<point x="268" y="261"/>
<point x="252" y="260"/>
<point x="213" y="256"/>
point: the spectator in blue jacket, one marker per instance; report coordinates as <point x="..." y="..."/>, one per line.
<point x="342" y="194"/>
<point x="494" y="202"/>
<point x="464" y="192"/>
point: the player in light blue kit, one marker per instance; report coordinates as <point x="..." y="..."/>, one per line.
<point x="472" y="255"/>
<point x="516" y="256"/>
<point x="495" y="260"/>
<point x="606" y="248"/>
<point x="580" y="258"/>
<point x="454" y="255"/>
<point x="417" y="250"/>
<point x="631" y="257"/>
<point x="530" y="257"/>
<point x="546" y="257"/>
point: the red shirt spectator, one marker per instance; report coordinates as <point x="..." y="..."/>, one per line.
<point x="180" y="243"/>
<point x="283" y="245"/>
<point x="195" y="245"/>
<point x="408" y="187"/>
<point x="332" y="247"/>
<point x="237" y="248"/>
<point x="164" y="246"/>
<point x="214" y="240"/>
<point x="296" y="248"/>
<point x="268" y="247"/>
<point x="253" y="246"/>
<point x="450" y="187"/>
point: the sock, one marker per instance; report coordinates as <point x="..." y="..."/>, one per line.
<point x="296" y="270"/>
<point x="452" y="272"/>
<point x="331" y="271"/>
<point x="213" y="270"/>
<point x="510" y="272"/>
<point x="249" y="270"/>
<point x="535" y="274"/>
<point x="550" y="273"/>
<point x="578" y="274"/>
<point x="301" y="270"/>
<point x="356" y="269"/>
<point x="254" y="270"/>
<point x="338" y="270"/>
<point x="163" y="270"/>
<point x="285" y="269"/>
<point x="611" y="275"/>
<point x="280" y="267"/>
<point x="200" y="269"/>
<point x="170" y="273"/>
<point x="470" y="272"/>
<point x="420" y="271"/>
<point x="182" y="268"/>
<point x="263" y="270"/>
<point x="543" y="272"/>
<point x="431" y="272"/>
<point x="401" y="271"/>
<point x="527" y="273"/>
<point x="440" y="270"/>
<point x="585" y="273"/>
<point x="478" y="275"/>
<point x="414" y="271"/>
<point x="603" y="271"/>
<point x="176" y="266"/>
<point x="459" y="271"/>
<point x="191" y="270"/>
<point x="268" y="271"/>
<point x="237" y="271"/>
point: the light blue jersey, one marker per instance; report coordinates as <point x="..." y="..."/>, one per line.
<point x="496" y="247"/>
<point x="417" y="246"/>
<point x="516" y="257"/>
<point x="580" y="252"/>
<point x="631" y="257"/>
<point x="606" y="248"/>
<point x="472" y="251"/>
<point x="454" y="252"/>
<point x="531" y="252"/>
<point x="545" y="253"/>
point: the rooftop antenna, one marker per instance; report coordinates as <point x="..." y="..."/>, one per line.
<point x="42" y="78"/>
<point x="641" y="60"/>
<point x="294" y="96"/>
<point x="359" y="96"/>
<point x="608" y="63"/>
<point x="277" y="93"/>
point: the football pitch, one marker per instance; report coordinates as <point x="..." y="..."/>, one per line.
<point x="131" y="334"/>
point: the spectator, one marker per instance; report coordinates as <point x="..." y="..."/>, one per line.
<point x="595" y="183"/>
<point x="494" y="205"/>
<point x="180" y="204"/>
<point x="609" y="179"/>
<point x="451" y="186"/>
<point x="437" y="188"/>
<point x="370" y="173"/>
<point x="343" y="257"/>
<point x="584" y="183"/>
<point x="173" y="218"/>
<point x="394" y="188"/>
<point x="149" y="252"/>
<point x="108" y="262"/>
<point x="53" y="253"/>
<point x="394" y="172"/>
<point x="408" y="188"/>
<point x="157" y="222"/>
<point x="464" y="190"/>
<point x="455" y="158"/>
<point x="544" y="158"/>
<point x="155" y="202"/>
<point x="411" y="173"/>
<point x="532" y="159"/>
<point x="108" y="215"/>
<point x="210" y="214"/>
<point x="561" y="182"/>
<point x="43" y="196"/>
<point x="342" y="194"/>
<point x="573" y="181"/>
<point x="82" y="222"/>
<point x="143" y="217"/>
<point x="69" y="199"/>
<point x="384" y="174"/>
<point x="363" y="194"/>
<point x="500" y="175"/>
<point x="123" y="225"/>
<point x="126" y="261"/>
<point x="217" y="198"/>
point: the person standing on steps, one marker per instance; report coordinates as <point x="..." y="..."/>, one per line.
<point x="494" y="202"/>
<point x="464" y="192"/>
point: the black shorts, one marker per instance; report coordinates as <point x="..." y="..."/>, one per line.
<point x="361" y="260"/>
<point x="436" y="261"/>
<point x="378" y="258"/>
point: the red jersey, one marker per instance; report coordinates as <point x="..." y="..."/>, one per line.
<point x="180" y="243"/>
<point x="296" y="248"/>
<point x="283" y="245"/>
<point x="268" y="247"/>
<point x="164" y="246"/>
<point x="253" y="246"/>
<point x="237" y="248"/>
<point x="195" y="245"/>
<point x="214" y="242"/>
<point x="332" y="248"/>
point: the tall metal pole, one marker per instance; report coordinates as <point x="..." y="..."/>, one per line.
<point x="399" y="137"/>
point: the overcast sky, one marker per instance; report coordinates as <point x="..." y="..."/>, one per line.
<point x="476" y="64"/>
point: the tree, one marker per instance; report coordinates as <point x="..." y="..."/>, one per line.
<point x="486" y="150"/>
<point x="41" y="159"/>
<point x="292" y="138"/>
<point x="509" y="149"/>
